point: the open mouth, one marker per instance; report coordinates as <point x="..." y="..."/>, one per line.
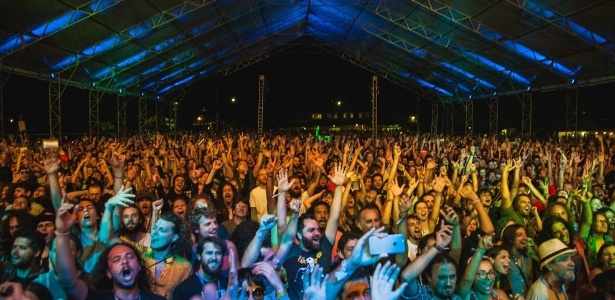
<point x="126" y="273"/>
<point x="86" y="216"/>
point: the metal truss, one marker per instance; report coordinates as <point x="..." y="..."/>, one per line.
<point x="468" y="108"/>
<point x="449" y="117"/>
<point x="553" y="18"/>
<point x="429" y="35"/>
<point x="492" y="102"/>
<point x="29" y="38"/>
<point x="470" y="23"/>
<point x="262" y="45"/>
<point x="434" y="117"/>
<point x="572" y="105"/>
<point x="94" y="97"/>
<point x="189" y="36"/>
<point x="526" y="114"/>
<point x="143" y="116"/>
<point x="122" y="102"/>
<point x="55" y="109"/>
<point x="374" y="90"/>
<point x="261" y="102"/>
<point x="408" y="47"/>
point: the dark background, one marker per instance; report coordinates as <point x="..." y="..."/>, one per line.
<point x="297" y="85"/>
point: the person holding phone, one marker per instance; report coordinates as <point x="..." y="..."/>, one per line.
<point x="437" y="264"/>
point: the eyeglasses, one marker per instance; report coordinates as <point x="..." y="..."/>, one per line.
<point x="257" y="293"/>
<point x="483" y="274"/>
<point x="241" y="207"/>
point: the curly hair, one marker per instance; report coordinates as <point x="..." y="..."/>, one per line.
<point x="181" y="246"/>
<point x="103" y="283"/>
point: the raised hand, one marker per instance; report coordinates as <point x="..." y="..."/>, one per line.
<point x="340" y="175"/>
<point x="485" y="242"/>
<point x="383" y="281"/>
<point x="295" y="205"/>
<point x="52" y="164"/>
<point x="449" y="215"/>
<point x="66" y="217"/>
<point x="314" y="285"/>
<point x="122" y="198"/>
<point x="157" y="205"/>
<point x="283" y="184"/>
<point x="267" y="222"/>
<point x="360" y="257"/>
<point x="444" y="235"/>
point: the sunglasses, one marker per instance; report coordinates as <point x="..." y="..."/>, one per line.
<point x="257" y="293"/>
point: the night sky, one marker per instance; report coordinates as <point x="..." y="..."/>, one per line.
<point x="297" y="85"/>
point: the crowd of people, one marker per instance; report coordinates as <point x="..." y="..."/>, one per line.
<point x="293" y="216"/>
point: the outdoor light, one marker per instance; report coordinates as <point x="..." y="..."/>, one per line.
<point x="573" y="81"/>
<point x="52" y="75"/>
<point x="93" y="84"/>
<point x="529" y="88"/>
<point x="121" y="91"/>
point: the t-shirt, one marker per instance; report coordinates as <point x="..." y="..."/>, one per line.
<point x="298" y="261"/>
<point x="193" y="286"/>
<point x="540" y="291"/>
<point x="258" y="201"/>
<point x="510" y="214"/>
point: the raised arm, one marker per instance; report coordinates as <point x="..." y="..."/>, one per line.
<point x="528" y="182"/>
<point x="108" y="230"/>
<point x="438" y="187"/>
<point x="411" y="272"/>
<point x="252" y="252"/>
<point x="504" y="191"/>
<point x="486" y="225"/>
<point x="336" y="204"/>
<point x="52" y="166"/>
<point x="74" y="287"/>
<point x="283" y="187"/>
<point x="465" y="286"/>
<point x="451" y="218"/>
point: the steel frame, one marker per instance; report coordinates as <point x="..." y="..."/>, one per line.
<point x="122" y="102"/>
<point x="143" y="116"/>
<point x="94" y="97"/>
<point x="492" y="102"/>
<point x="526" y="114"/>
<point x="55" y="109"/>
<point x="572" y="106"/>
<point x="468" y="108"/>
<point x="434" y="117"/>
<point x="374" y="89"/>
<point x="261" y="102"/>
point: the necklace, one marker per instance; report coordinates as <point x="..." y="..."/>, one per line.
<point x="164" y="259"/>
<point x="552" y="290"/>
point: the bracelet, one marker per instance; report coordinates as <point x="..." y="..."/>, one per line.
<point x="439" y="248"/>
<point x="62" y="234"/>
<point x="118" y="177"/>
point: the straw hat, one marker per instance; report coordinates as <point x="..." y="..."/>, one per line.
<point x="551" y="249"/>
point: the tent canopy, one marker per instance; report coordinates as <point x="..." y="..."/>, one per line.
<point x="451" y="49"/>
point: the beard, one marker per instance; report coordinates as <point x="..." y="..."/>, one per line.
<point x="311" y="245"/>
<point x="210" y="271"/>
<point x="295" y="193"/>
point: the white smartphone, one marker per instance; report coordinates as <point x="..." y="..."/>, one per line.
<point x="390" y="244"/>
